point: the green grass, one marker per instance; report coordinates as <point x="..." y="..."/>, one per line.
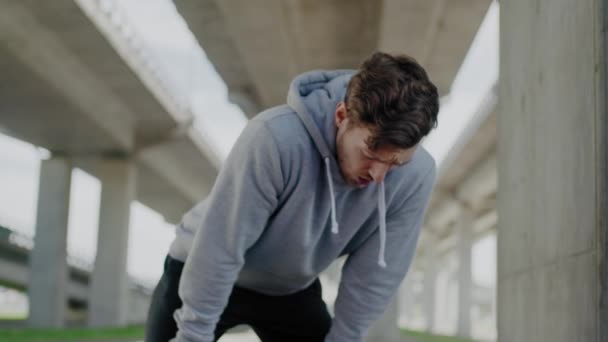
<point x="130" y="333"/>
<point x="137" y="333"/>
<point x="11" y="285"/>
<point x="426" y="337"/>
<point x="13" y="317"/>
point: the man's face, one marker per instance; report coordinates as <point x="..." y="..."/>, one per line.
<point x="360" y="165"/>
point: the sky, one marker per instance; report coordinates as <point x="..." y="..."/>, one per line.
<point x="192" y="80"/>
<point x="459" y="113"/>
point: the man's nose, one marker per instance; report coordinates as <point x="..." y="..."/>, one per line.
<point x="378" y="171"/>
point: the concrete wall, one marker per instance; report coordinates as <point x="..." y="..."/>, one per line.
<point x="552" y="172"/>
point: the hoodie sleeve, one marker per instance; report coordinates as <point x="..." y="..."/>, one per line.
<point x="366" y="288"/>
<point x="244" y="196"/>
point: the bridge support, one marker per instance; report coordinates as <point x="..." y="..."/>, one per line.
<point x="552" y="171"/>
<point x="386" y="329"/>
<point x="48" y="274"/>
<point x="465" y="274"/>
<point x="430" y="285"/>
<point x="109" y="292"/>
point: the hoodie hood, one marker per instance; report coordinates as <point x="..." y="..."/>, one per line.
<point x="314" y="96"/>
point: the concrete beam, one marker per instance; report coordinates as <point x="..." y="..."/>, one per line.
<point x="208" y="23"/>
<point x="66" y="63"/>
<point x="438" y="33"/>
<point x="476" y="192"/>
<point x="481" y="185"/>
<point x="445" y="214"/>
<point x="481" y="227"/>
<point x="45" y="53"/>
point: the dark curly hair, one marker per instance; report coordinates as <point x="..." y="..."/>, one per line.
<point x="393" y="96"/>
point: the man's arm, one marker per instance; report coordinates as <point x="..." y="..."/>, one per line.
<point x="366" y="288"/>
<point x="244" y="196"/>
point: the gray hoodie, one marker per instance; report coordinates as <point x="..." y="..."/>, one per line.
<point x="280" y="213"/>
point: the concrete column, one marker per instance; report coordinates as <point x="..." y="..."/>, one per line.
<point x="386" y="329"/>
<point x="245" y="101"/>
<point x="48" y="274"/>
<point x="465" y="273"/>
<point x="552" y="199"/>
<point x="108" y="297"/>
<point x="430" y="286"/>
<point x="407" y="298"/>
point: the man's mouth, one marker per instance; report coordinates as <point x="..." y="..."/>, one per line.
<point x="362" y="182"/>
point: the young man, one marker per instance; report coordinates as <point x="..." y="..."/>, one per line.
<point x="337" y="171"/>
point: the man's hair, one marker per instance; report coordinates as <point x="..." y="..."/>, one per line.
<point x="393" y="96"/>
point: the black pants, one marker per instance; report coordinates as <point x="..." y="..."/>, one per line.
<point x="301" y="316"/>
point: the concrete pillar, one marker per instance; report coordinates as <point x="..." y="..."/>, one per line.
<point x="245" y="101"/>
<point x="386" y="329"/>
<point x="407" y="298"/>
<point x="446" y="296"/>
<point x="108" y="296"/>
<point x="552" y="198"/>
<point x="430" y="286"/>
<point x="48" y="273"/>
<point x="465" y="273"/>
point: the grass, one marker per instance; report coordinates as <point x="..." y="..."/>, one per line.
<point x="130" y="333"/>
<point x="137" y="333"/>
<point x="13" y="317"/>
<point x="11" y="285"/>
<point x="426" y="337"/>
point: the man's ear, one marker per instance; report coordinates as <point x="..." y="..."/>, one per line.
<point x="341" y="114"/>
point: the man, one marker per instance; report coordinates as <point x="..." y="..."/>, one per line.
<point x="336" y="171"/>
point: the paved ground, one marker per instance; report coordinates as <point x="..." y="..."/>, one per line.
<point x="250" y="336"/>
<point x="247" y="336"/>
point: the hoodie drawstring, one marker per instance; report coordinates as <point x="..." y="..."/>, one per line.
<point x="382" y="215"/>
<point x="334" y="221"/>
